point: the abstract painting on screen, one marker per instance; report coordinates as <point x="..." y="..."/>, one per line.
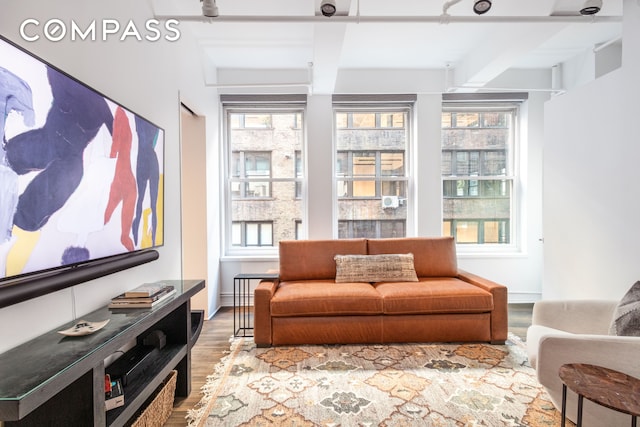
<point x="81" y="177"/>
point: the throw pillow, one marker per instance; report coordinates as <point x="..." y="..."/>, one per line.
<point x="375" y="268"/>
<point x="626" y="317"/>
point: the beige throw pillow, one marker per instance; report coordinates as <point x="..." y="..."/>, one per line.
<point x="375" y="268"/>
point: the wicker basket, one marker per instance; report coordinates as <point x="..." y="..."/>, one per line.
<point x="159" y="410"/>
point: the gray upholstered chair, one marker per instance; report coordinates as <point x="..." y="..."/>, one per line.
<point x="577" y="331"/>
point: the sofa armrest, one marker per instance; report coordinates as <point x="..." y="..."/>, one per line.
<point x="575" y="316"/>
<point x="613" y="352"/>
<point x="262" y="295"/>
<point x="499" y="315"/>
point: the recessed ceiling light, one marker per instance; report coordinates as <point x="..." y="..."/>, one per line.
<point x="328" y="7"/>
<point x="481" y="6"/>
<point x="591" y="7"/>
<point x="209" y="8"/>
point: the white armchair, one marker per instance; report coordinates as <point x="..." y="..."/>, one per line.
<point x="577" y="331"/>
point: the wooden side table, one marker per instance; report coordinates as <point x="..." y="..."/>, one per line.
<point x="606" y="387"/>
<point x="242" y="315"/>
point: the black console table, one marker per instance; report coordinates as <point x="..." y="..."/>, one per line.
<point x="59" y="380"/>
<point x="242" y="315"/>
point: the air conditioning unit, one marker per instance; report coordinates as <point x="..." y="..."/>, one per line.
<point x="390" y="202"/>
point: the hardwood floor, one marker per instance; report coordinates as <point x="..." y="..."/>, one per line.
<point x="205" y="354"/>
<point x="520" y="319"/>
<point x="214" y="342"/>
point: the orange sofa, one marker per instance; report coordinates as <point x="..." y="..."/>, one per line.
<point x="306" y="305"/>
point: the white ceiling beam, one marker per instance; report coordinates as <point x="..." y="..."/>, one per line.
<point x="327" y="50"/>
<point x="328" y="41"/>
<point x="497" y="53"/>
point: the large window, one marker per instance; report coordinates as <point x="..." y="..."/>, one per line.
<point x="264" y="175"/>
<point x="478" y="172"/>
<point x="371" y="170"/>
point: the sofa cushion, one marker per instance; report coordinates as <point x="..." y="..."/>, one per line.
<point x="325" y="298"/>
<point x="375" y="268"/>
<point x="313" y="259"/>
<point x="626" y="317"/>
<point x="434" y="295"/>
<point x="432" y="256"/>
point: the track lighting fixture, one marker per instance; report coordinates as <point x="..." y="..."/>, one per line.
<point x="591" y="7"/>
<point x="209" y="8"/>
<point x="328" y="7"/>
<point x="481" y="6"/>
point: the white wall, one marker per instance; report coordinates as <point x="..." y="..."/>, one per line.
<point x="591" y="201"/>
<point x="193" y="203"/>
<point x="214" y="231"/>
<point x="319" y="167"/>
<point x="522" y="271"/>
<point x="426" y="164"/>
<point x="140" y="76"/>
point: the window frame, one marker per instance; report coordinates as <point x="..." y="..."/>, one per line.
<point x="237" y="104"/>
<point x="515" y="231"/>
<point x="378" y="177"/>
<point x="244" y="178"/>
<point x="244" y="233"/>
<point x="379" y="105"/>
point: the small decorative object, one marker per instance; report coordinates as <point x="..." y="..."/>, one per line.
<point x="82" y="327"/>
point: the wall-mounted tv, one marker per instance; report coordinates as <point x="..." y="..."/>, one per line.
<point x="81" y="176"/>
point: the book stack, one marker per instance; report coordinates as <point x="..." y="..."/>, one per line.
<point x="144" y="296"/>
<point x="113" y="393"/>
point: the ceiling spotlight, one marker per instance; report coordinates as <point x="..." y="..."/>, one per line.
<point x="328" y="7"/>
<point x="209" y="8"/>
<point x="481" y="6"/>
<point x="591" y="7"/>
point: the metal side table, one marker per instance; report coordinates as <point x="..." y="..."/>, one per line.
<point x="242" y="297"/>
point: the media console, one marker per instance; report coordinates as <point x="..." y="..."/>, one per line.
<point x="59" y="380"/>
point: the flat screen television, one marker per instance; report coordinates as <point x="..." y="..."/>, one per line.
<point x="81" y="176"/>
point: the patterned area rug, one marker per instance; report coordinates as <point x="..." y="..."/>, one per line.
<point x="375" y="385"/>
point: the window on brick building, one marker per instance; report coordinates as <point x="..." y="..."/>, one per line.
<point x="372" y="142"/>
<point x="248" y="233"/>
<point x="264" y="172"/>
<point x="479" y="178"/>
